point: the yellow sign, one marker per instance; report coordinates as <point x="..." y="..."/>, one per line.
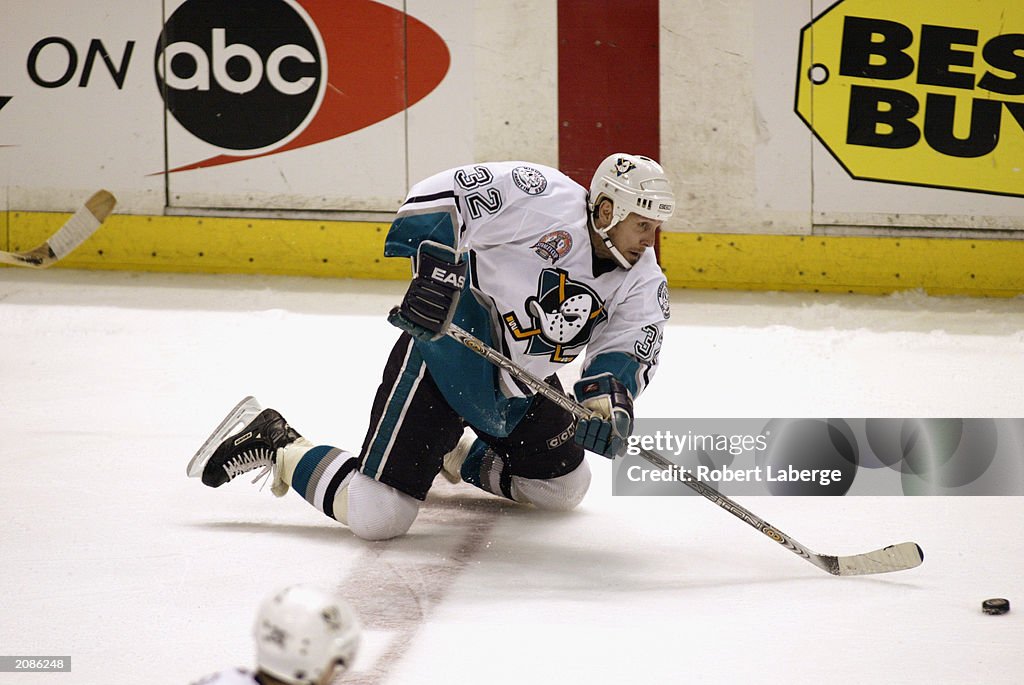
<point x="919" y="92"/>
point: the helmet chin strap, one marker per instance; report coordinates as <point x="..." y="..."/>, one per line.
<point x="623" y="262"/>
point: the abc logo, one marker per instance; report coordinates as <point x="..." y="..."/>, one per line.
<point x="240" y="75"/>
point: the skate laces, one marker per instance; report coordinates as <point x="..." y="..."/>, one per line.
<point x="248" y="460"/>
<point x="271" y="473"/>
<point x="268" y="472"/>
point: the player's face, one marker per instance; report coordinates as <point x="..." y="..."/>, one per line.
<point x="633" y="235"/>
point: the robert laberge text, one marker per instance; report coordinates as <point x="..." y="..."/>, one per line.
<point x="758" y="474"/>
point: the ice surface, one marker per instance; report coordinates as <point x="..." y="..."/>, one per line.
<point x="112" y="556"/>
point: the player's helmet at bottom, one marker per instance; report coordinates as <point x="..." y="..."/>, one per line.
<point x="635" y="184"/>
<point x="302" y="631"/>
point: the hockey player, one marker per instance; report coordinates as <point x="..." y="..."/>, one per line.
<point x="527" y="260"/>
<point x="304" y="635"/>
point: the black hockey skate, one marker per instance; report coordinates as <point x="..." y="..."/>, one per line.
<point x="247" y="439"/>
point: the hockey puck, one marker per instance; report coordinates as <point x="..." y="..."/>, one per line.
<point x="995" y="606"/>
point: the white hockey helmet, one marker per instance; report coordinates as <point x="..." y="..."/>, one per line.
<point x="635" y="184"/>
<point x="301" y="631"/>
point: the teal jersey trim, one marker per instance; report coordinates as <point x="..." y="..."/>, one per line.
<point x="468" y="381"/>
<point x="407" y="232"/>
<point x="619" y="364"/>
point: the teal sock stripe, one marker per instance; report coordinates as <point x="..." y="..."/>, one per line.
<point x="473" y="464"/>
<point x="306" y="466"/>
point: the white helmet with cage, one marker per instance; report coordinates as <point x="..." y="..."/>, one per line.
<point x="635" y="184"/>
<point x="302" y="631"/>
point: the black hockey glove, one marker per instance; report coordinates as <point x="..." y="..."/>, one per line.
<point x="433" y="294"/>
<point x="605" y="433"/>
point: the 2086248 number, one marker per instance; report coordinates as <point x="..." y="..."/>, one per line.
<point x="9" y="664"/>
<point x="33" y="664"/>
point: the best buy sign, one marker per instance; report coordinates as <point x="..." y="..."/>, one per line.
<point x="919" y="92"/>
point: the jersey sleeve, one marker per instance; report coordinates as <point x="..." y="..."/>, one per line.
<point x="629" y="344"/>
<point x="430" y="212"/>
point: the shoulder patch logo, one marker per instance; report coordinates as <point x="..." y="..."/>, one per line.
<point x="563" y="315"/>
<point x="529" y="180"/>
<point x="663" y="299"/>
<point x="553" y="246"/>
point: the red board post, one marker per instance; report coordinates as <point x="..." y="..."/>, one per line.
<point x="608" y="82"/>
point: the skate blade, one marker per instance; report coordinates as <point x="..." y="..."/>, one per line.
<point x="244" y="412"/>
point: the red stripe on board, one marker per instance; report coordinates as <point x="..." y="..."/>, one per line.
<point x="608" y="83"/>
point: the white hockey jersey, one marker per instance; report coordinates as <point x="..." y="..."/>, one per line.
<point x="536" y="291"/>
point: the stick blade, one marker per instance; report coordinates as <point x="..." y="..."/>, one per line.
<point x="900" y="557"/>
<point x="75" y="231"/>
<point x="101" y="204"/>
<point x="81" y="225"/>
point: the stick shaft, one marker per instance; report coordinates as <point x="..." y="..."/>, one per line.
<point x="827" y="563"/>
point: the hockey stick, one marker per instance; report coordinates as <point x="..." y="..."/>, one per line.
<point x="82" y="224"/>
<point x="899" y="557"/>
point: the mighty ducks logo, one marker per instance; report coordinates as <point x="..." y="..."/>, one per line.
<point x="623" y="166"/>
<point x="562" y="317"/>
